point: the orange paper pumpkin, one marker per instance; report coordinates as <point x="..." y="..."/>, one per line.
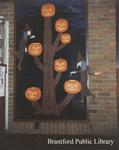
<point x="48" y="10"/>
<point x="60" y="65"/>
<point x="35" y="49"/>
<point x="65" y="38"/>
<point x="33" y="94"/>
<point x="61" y="25"/>
<point x="72" y="86"/>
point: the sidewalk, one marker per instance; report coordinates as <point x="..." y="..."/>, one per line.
<point x="40" y="142"/>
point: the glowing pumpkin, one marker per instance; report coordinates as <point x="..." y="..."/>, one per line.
<point x="35" y="49"/>
<point x="65" y="38"/>
<point x="48" y="10"/>
<point x="72" y="86"/>
<point x="60" y="65"/>
<point x="61" y="25"/>
<point x="33" y="94"/>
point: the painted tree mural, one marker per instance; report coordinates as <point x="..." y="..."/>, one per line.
<point x="50" y="65"/>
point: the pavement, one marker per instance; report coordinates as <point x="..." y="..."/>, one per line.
<point x="40" y="142"/>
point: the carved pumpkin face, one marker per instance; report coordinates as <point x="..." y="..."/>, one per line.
<point x="61" y="25"/>
<point x="33" y="94"/>
<point x="48" y="10"/>
<point x="65" y="38"/>
<point x="72" y="86"/>
<point x="35" y="49"/>
<point x="60" y="65"/>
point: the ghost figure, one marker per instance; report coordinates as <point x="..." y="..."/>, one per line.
<point x="82" y="64"/>
<point x="22" y="44"/>
<point x="84" y="70"/>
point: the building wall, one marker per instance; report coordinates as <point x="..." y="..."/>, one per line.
<point x="101" y="44"/>
<point x="102" y="57"/>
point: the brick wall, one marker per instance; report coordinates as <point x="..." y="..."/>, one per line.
<point x="101" y="44"/>
<point x="102" y="55"/>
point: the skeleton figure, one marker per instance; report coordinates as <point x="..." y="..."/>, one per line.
<point x="22" y="45"/>
<point x="84" y="70"/>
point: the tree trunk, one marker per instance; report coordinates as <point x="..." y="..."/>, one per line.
<point x="49" y="99"/>
<point x="49" y="103"/>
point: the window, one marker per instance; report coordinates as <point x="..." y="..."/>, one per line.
<point x="4" y="32"/>
<point x="53" y="73"/>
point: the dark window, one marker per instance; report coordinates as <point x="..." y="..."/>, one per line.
<point x="28" y="18"/>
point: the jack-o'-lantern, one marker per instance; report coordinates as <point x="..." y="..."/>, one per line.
<point x="35" y="49"/>
<point x="60" y="65"/>
<point x="61" y="25"/>
<point x="48" y="10"/>
<point x="72" y="87"/>
<point x="33" y="94"/>
<point x="65" y="38"/>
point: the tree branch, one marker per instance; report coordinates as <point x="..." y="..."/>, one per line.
<point x="56" y="42"/>
<point x="36" y="106"/>
<point x="38" y="63"/>
<point x="57" y="78"/>
<point x="60" y="47"/>
<point x="56" y="46"/>
<point x="66" y="101"/>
